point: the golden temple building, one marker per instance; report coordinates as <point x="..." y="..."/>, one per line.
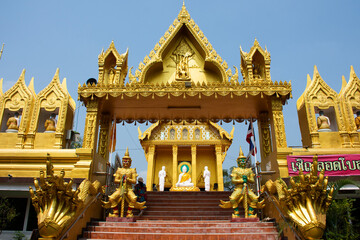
<point x="185" y="89"/>
<point x="199" y="144"/>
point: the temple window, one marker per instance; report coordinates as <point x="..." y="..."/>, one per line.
<point x="356" y="113"/>
<point x="184" y="134"/>
<point x="47" y="120"/>
<point x="258" y="65"/>
<point x="197" y="134"/>
<point x="110" y="69"/>
<point x="11" y="120"/>
<point x="326" y="119"/>
<point x="172" y="134"/>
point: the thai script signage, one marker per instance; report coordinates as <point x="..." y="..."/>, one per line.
<point x="334" y="165"/>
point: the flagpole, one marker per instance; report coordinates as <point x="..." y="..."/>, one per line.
<point x="112" y="136"/>
<point x="108" y="165"/>
<point x="256" y="166"/>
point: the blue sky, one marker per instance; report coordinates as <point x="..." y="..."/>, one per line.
<point x="41" y="36"/>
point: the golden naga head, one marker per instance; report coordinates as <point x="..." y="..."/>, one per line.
<point x="56" y="203"/>
<point x="126" y="160"/>
<point x="305" y="203"/>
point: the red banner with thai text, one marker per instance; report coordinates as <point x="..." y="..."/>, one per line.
<point x="334" y="165"/>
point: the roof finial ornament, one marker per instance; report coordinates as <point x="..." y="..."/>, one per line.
<point x="184" y="15"/>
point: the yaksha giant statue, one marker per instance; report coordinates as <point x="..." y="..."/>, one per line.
<point x="241" y="177"/>
<point x="125" y="177"/>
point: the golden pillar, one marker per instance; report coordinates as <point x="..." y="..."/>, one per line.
<point x="265" y="139"/>
<point x="175" y="164"/>
<point x="193" y="164"/>
<point x="219" y="169"/>
<point x="91" y="124"/>
<point x="105" y="124"/>
<point x="150" y="171"/>
<point x="278" y="120"/>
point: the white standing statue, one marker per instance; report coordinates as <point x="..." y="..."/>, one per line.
<point x="184" y="178"/>
<point x="206" y="176"/>
<point x="162" y="175"/>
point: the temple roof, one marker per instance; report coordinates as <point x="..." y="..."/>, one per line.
<point x="183" y="35"/>
<point x="184" y="77"/>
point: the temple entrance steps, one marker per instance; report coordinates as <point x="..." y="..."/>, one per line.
<point x="172" y="229"/>
<point x="182" y="215"/>
<point x="186" y="206"/>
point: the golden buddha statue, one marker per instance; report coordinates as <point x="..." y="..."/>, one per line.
<point x="357" y="121"/>
<point x="256" y="72"/>
<point x="323" y="123"/>
<point x="125" y="177"/>
<point x="111" y="75"/>
<point x="13" y="123"/>
<point x="50" y="124"/>
<point x="242" y="194"/>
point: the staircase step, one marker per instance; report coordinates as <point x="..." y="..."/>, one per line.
<point x="187" y="236"/>
<point x="187" y="218"/>
<point x="193" y="224"/>
<point x="141" y="229"/>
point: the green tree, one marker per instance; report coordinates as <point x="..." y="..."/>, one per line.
<point x="340" y="220"/>
<point x="76" y="144"/>
<point x="228" y="186"/>
<point x="18" y="235"/>
<point x="7" y="213"/>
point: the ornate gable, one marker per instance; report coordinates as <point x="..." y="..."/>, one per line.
<point x="19" y="98"/>
<point x="112" y="66"/>
<point x="317" y="97"/>
<point x="319" y="93"/>
<point x="55" y="97"/>
<point x="351" y="91"/>
<point x="182" y="54"/>
<point x="350" y="97"/>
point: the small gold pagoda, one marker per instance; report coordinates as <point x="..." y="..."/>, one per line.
<point x="342" y="136"/>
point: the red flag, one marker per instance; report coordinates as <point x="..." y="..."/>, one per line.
<point x="250" y="138"/>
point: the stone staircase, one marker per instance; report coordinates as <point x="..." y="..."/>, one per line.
<point x="182" y="215"/>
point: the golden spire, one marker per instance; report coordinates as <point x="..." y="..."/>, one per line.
<point x="31" y="86"/>
<point x="352" y="73"/>
<point x="184" y="15"/>
<point x="127" y="155"/>
<point x="241" y="154"/>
